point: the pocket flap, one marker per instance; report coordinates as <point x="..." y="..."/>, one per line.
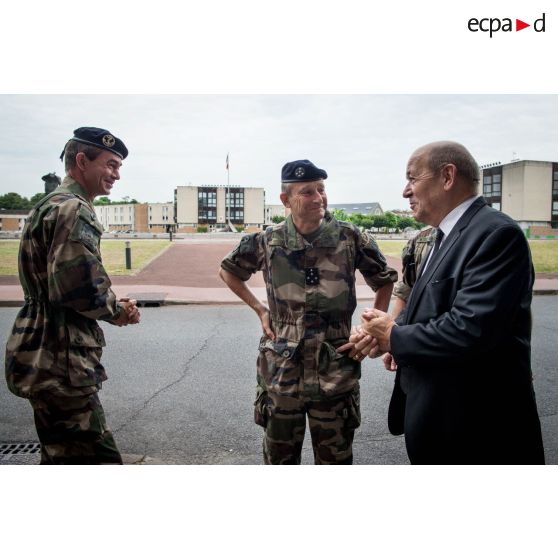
<point x="282" y="347"/>
<point x="88" y="335"/>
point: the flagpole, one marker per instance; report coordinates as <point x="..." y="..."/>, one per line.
<point x="227" y="198"/>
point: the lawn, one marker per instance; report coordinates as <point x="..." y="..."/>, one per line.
<point x="544" y="252"/>
<point x="391" y="247"/>
<point x="112" y="251"/>
<point x="545" y="255"/>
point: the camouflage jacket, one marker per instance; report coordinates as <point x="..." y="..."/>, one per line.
<point x="56" y="343"/>
<point x="413" y="256"/>
<point x="311" y="296"/>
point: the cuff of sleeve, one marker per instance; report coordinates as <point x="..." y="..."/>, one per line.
<point x="236" y="270"/>
<point x="117" y="314"/>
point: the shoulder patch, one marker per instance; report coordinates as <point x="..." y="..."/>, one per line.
<point x="87" y="230"/>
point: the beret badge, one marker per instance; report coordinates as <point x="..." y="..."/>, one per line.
<point x="108" y="140"/>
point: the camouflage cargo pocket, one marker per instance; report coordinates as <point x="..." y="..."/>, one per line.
<point x="85" y="343"/>
<point x="261" y="410"/>
<point x="337" y="373"/>
<point x="278" y="365"/>
<point x="353" y="410"/>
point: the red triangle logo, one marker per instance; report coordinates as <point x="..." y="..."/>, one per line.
<point x="519" y="25"/>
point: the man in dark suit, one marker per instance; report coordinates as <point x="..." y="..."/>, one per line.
<point x="463" y="389"/>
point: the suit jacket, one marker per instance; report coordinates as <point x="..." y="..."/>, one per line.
<point x="463" y="390"/>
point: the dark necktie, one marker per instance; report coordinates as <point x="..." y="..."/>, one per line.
<point x="435" y="248"/>
<point x="439" y="238"/>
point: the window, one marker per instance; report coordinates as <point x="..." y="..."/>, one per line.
<point x="235" y="198"/>
<point x="492" y="185"/>
<point x="237" y="215"/>
<point x="207" y="197"/>
<point x="207" y="205"/>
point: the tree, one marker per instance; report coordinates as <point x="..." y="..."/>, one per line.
<point x="277" y="219"/>
<point x="103" y="200"/>
<point x="13" y="200"/>
<point x="391" y="220"/>
<point x="407" y="222"/>
<point x="340" y="215"/>
<point x="37" y="198"/>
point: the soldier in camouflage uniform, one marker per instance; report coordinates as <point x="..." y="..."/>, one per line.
<point x="412" y="259"/>
<point x="414" y="254"/>
<point x="309" y="264"/>
<point x="53" y="353"/>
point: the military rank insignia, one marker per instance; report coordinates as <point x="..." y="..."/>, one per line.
<point x="312" y="276"/>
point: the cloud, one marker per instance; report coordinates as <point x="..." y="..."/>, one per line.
<point x="363" y="141"/>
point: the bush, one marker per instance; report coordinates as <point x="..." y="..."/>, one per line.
<point x="202" y="228"/>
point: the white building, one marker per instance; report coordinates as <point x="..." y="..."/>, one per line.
<point x="136" y="217"/>
<point x="274" y="210"/>
<point x="214" y="206"/>
<point x="527" y="191"/>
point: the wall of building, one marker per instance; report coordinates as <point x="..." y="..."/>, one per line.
<point x="254" y="199"/>
<point x="160" y="217"/>
<point x="274" y="210"/>
<point x="221" y="199"/>
<point x="118" y="217"/>
<point x="141" y="223"/>
<point x="186" y="205"/>
<point x="526" y="190"/>
<point x="11" y="224"/>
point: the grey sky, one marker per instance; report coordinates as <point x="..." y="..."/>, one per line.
<point x="363" y="141"/>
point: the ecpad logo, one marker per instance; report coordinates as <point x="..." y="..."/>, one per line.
<point x="493" y="25"/>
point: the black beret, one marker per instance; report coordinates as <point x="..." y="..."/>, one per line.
<point x="301" y="171"/>
<point x="100" y="138"/>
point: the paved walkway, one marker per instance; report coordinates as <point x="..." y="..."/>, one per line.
<point x="186" y="273"/>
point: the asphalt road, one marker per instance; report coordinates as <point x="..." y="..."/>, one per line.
<point x="181" y="387"/>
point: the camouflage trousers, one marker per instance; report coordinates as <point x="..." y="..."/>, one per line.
<point x="332" y="424"/>
<point x="73" y="431"/>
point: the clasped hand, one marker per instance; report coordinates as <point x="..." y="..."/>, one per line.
<point x="130" y="314"/>
<point x="371" y="338"/>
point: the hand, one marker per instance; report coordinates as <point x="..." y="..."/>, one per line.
<point x="360" y="344"/>
<point x="266" y="323"/>
<point x="129" y="313"/>
<point x="389" y="362"/>
<point x="378" y="324"/>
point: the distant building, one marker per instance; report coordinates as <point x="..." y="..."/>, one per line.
<point x="402" y="212"/>
<point x="371" y="208"/>
<point x="527" y="191"/>
<point x="12" y="220"/>
<point x="274" y="210"/>
<point x="136" y="217"/>
<point x="214" y="206"/>
<point x="160" y="217"/>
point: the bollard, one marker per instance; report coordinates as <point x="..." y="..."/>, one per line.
<point x="170" y="236"/>
<point x="128" y="255"/>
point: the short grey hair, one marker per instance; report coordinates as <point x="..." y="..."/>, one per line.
<point x="442" y="153"/>
<point x="74" y="147"/>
